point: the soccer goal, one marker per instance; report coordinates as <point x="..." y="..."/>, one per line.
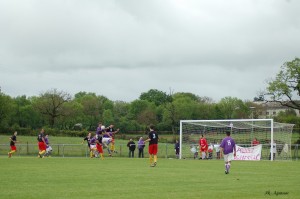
<point x="266" y="131"/>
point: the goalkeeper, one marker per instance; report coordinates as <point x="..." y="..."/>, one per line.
<point x="203" y="147"/>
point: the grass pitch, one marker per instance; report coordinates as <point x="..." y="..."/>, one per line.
<point x="28" y="177"/>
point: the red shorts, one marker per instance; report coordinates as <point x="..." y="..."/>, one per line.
<point x="153" y="149"/>
<point x="13" y="148"/>
<point x="42" y="146"/>
<point x="203" y="149"/>
<point x="99" y="148"/>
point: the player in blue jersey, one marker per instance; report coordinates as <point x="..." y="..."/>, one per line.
<point x="228" y="148"/>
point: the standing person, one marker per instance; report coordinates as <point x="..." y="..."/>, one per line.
<point x="13" y="141"/>
<point x="274" y="150"/>
<point x="131" y="147"/>
<point x="217" y="148"/>
<point x="177" y="147"/>
<point x="141" y="146"/>
<point x="41" y="143"/>
<point x="255" y="142"/>
<point x="203" y="147"/>
<point x="228" y="148"/>
<point x="153" y="145"/>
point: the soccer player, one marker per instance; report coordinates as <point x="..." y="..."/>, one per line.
<point x="112" y="133"/>
<point x="87" y="139"/>
<point x="203" y="146"/>
<point x="48" y="147"/>
<point x="13" y="141"/>
<point x="41" y="143"/>
<point x="153" y="146"/>
<point x="99" y="145"/>
<point x="228" y="148"/>
<point x="93" y="146"/>
<point x="99" y="129"/>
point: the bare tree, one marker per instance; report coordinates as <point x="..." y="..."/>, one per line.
<point x="51" y="104"/>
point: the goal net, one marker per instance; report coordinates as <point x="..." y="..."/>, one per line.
<point x="243" y="131"/>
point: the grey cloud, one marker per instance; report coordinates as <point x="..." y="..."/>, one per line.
<point x="211" y="39"/>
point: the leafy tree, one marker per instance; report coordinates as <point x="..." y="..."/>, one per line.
<point x="6" y="106"/>
<point x="229" y="106"/>
<point x="17" y="117"/>
<point x="92" y="108"/>
<point x="24" y="114"/>
<point x="120" y="110"/>
<point x="108" y="117"/>
<point x="73" y="114"/>
<point x="285" y="88"/>
<point x="51" y="104"/>
<point x="156" y="96"/>
<point x="147" y="117"/>
<point x="136" y="107"/>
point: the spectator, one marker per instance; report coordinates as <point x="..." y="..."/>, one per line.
<point x="255" y="142"/>
<point x="210" y="151"/>
<point x="131" y="146"/>
<point x="141" y="146"/>
<point x="177" y="147"/>
<point x="217" y="148"/>
<point x="274" y="150"/>
<point x="194" y="151"/>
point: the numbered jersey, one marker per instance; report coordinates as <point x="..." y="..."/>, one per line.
<point x="228" y="145"/>
<point x="153" y="136"/>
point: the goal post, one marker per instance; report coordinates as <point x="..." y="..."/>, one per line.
<point x="267" y="132"/>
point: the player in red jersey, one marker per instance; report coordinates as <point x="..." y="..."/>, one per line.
<point x="13" y="141"/>
<point x="99" y="145"/>
<point x="153" y="146"/>
<point x="203" y="146"/>
<point x="41" y="143"/>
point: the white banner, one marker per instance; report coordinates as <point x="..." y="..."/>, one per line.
<point x="248" y="153"/>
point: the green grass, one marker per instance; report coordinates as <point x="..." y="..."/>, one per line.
<point x="28" y="177"/>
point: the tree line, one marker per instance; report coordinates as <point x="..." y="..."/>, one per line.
<point x="60" y="110"/>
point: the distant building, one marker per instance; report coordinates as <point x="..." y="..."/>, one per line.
<point x="271" y="109"/>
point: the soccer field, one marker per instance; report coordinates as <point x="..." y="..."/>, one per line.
<point x="28" y="177"/>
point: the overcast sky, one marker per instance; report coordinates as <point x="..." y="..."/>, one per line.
<point x="119" y="49"/>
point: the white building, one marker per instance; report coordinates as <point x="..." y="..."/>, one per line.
<point x="271" y="109"/>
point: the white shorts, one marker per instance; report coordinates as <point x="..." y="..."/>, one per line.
<point x="49" y="149"/>
<point x="93" y="146"/>
<point x="228" y="157"/>
<point x="106" y="140"/>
